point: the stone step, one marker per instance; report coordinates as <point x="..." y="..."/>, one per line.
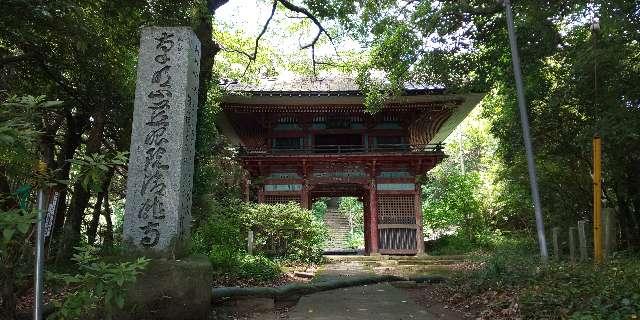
<point x="338" y="227"/>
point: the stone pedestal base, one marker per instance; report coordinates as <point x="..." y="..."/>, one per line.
<point x="171" y="289"/>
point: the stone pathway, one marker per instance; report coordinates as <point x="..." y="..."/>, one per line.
<point x="380" y="301"/>
<point x="385" y="301"/>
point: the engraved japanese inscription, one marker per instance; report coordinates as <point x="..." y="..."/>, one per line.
<point x="158" y="203"/>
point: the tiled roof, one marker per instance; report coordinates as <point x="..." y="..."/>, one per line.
<point x="305" y="86"/>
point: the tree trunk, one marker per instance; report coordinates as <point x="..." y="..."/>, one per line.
<point x="92" y="230"/>
<point x="81" y="196"/>
<point x="95" y="219"/>
<point x="108" y="233"/>
<point x="71" y="142"/>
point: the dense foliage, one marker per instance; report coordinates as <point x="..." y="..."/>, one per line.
<point x="99" y="287"/>
<point x="286" y="231"/>
<point x="578" y="82"/>
<point x="282" y="232"/>
<point x="521" y="287"/>
<point x="353" y="210"/>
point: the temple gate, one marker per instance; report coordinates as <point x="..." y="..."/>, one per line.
<point x="305" y="140"/>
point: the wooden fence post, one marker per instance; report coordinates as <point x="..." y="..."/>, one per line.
<point x="609" y="228"/>
<point x="250" y="242"/>
<point x="582" y="237"/>
<point x="572" y="245"/>
<point x="556" y="247"/>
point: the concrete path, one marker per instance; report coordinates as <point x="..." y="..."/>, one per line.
<point x="373" y="302"/>
<point x="380" y="301"/>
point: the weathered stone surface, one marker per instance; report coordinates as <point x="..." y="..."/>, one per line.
<point x="158" y="204"/>
<point x="170" y="289"/>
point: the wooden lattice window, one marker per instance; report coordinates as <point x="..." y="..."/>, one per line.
<point x="396" y="209"/>
<point x="281" y="198"/>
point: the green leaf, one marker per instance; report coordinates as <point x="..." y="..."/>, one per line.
<point x="120" y="301"/>
<point x="23" y="227"/>
<point x="7" y="233"/>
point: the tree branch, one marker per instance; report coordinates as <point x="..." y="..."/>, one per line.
<point x="264" y="29"/>
<point x="310" y="16"/>
<point x="291" y="7"/>
<point x="213" y="5"/>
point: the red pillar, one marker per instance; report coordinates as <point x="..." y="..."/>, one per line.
<point x="419" y="229"/>
<point x="367" y="224"/>
<point x="373" y="209"/>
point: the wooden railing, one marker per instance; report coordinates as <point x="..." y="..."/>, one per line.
<point x="345" y="149"/>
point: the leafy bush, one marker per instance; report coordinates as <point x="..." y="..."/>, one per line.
<point x="242" y="266"/>
<point x="459" y="243"/>
<point x="257" y="268"/>
<point x="224" y="258"/>
<point x="286" y="231"/>
<point x="281" y="231"/>
<point x="223" y="232"/>
<point x="319" y="209"/>
<point x="451" y="200"/>
<point x="559" y="290"/>
<point x="355" y="239"/>
<point x="352" y="209"/>
<point x="99" y="285"/>
<point x="15" y="254"/>
<point x="585" y="292"/>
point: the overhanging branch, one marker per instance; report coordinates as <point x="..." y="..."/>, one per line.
<point x="304" y="14"/>
<point x="310" y="16"/>
<point x="264" y="29"/>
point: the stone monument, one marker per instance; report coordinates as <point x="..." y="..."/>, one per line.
<point x="158" y="204"/>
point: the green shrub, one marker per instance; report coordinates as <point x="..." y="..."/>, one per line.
<point x="257" y="268"/>
<point x="585" y="291"/>
<point x="319" y="209"/>
<point x="222" y="231"/>
<point x="98" y="285"/>
<point x="243" y="266"/>
<point x="484" y="241"/>
<point x="286" y="231"/>
<point x="355" y="239"/>
<point x="559" y="290"/>
<point x="223" y="258"/>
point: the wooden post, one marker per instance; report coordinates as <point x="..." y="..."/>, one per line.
<point x="572" y="245"/>
<point x="304" y="201"/>
<point x="609" y="228"/>
<point x="250" y="242"/>
<point x="597" y="200"/>
<point x="419" y="229"/>
<point x="582" y="238"/>
<point x="373" y="208"/>
<point x="556" y="247"/>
